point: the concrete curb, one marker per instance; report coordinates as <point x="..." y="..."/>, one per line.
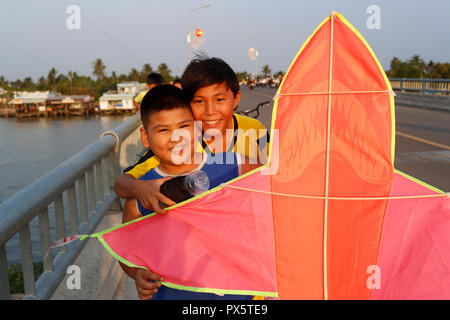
<point x="438" y="103"/>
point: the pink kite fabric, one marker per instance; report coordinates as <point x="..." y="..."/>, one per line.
<point x="414" y="257"/>
<point x="210" y="244"/>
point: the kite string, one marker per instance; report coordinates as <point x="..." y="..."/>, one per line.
<point x="439" y="195"/>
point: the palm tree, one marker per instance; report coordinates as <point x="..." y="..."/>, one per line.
<point x="418" y="65"/>
<point x="133" y="75"/>
<point x="18" y="84"/>
<point x="164" y="70"/>
<point x="70" y="75"/>
<point x="146" y="69"/>
<point x="266" y="70"/>
<point x="99" y="69"/>
<point x="42" y="83"/>
<point x="51" y="78"/>
<point x="28" y="83"/>
<point x="114" y="76"/>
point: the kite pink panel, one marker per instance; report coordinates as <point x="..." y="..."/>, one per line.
<point x="414" y="257"/>
<point x="221" y="241"/>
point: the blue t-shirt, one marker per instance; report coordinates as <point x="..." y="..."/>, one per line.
<point x="220" y="168"/>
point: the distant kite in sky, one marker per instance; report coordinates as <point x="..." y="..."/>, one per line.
<point x="335" y="220"/>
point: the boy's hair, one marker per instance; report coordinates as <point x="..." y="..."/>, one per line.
<point x="154" y="78"/>
<point x="203" y="72"/>
<point x="163" y="97"/>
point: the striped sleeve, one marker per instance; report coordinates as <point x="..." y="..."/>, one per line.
<point x="147" y="162"/>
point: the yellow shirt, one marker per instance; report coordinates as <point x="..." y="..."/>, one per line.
<point x="250" y="138"/>
<point x="140" y="96"/>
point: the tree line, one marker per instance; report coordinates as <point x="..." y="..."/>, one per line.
<point x="75" y="84"/>
<point x="416" y="67"/>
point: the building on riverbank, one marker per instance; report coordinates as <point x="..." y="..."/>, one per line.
<point x="50" y="104"/>
<point x="75" y="105"/>
<point x="28" y="104"/>
<point x="120" y="101"/>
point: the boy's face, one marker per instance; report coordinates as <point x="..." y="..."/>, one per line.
<point x="214" y="106"/>
<point x="170" y="135"/>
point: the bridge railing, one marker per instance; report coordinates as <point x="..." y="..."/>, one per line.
<point x="86" y="179"/>
<point x="422" y="86"/>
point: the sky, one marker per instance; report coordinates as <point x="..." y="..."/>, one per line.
<point x="129" y="33"/>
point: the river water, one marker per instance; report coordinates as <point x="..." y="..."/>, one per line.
<point x="31" y="147"/>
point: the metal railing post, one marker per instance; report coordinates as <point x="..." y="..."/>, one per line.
<point x="4" y="279"/>
<point x="92" y="192"/>
<point x="44" y="229"/>
<point x="99" y="181"/>
<point x="82" y="192"/>
<point x="106" y="164"/>
<point x="60" y="223"/>
<point x="73" y="212"/>
<point x="27" y="260"/>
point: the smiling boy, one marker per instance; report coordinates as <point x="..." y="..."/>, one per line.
<point x="213" y="90"/>
<point x="169" y="130"/>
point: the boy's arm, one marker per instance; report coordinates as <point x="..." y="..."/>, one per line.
<point x="147" y="191"/>
<point x="142" y="277"/>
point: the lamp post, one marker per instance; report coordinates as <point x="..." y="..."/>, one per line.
<point x="190" y="28"/>
<point x="256" y="56"/>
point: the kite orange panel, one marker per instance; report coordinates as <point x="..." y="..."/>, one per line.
<point x="335" y="129"/>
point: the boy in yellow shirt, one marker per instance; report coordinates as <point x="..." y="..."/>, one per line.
<point x="213" y="91"/>
<point x="153" y="79"/>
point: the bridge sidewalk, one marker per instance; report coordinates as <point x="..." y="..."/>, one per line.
<point x="101" y="276"/>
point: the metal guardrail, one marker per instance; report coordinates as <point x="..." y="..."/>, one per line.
<point x="87" y="178"/>
<point x="423" y="86"/>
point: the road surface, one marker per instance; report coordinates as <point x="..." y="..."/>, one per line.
<point x="422" y="147"/>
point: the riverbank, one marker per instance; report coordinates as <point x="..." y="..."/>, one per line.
<point x="12" y="113"/>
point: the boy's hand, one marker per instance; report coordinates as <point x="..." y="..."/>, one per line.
<point x="144" y="285"/>
<point x="147" y="191"/>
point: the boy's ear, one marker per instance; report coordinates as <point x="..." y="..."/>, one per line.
<point x="144" y="137"/>
<point x="237" y="98"/>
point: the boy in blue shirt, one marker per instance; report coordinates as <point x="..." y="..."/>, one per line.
<point x="168" y="130"/>
<point x="213" y="91"/>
